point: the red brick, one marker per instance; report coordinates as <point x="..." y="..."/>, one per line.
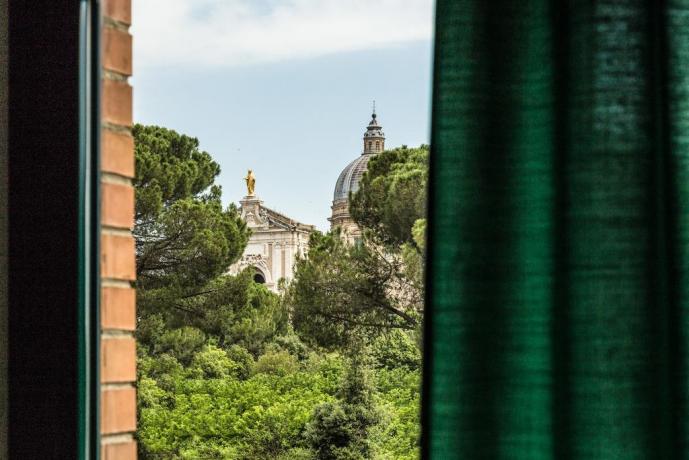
<point x="118" y="359"/>
<point x="119" y="451"/>
<point x="117" y="102"/>
<point x="117" y="50"/>
<point x="118" y="308"/>
<point x="118" y="305"/>
<point x="117" y="257"/>
<point x="117" y="205"/>
<point x="119" y="10"/>
<point x="118" y="410"/>
<point x="117" y="155"/>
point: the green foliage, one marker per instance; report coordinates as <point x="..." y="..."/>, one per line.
<point x="313" y="408"/>
<point x="341" y="430"/>
<point x="397" y="349"/>
<point x="332" y="433"/>
<point x="164" y="370"/>
<point x="319" y="409"/>
<point x="184" y="237"/>
<point x="222" y="374"/>
<point x="292" y="344"/>
<point x="398" y="399"/>
<point x="392" y="194"/>
<point x="209" y="411"/>
<point x="243" y="359"/>
<point x="214" y="363"/>
<point x="418" y="232"/>
<point x="370" y="295"/>
<point x="298" y="453"/>
<point x="413" y="258"/>
<point x="330" y="366"/>
<point x="180" y="343"/>
<point x="278" y="363"/>
<point x="229" y="309"/>
<point x="169" y="167"/>
<point x="344" y="294"/>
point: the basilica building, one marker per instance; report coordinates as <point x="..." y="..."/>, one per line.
<point x="277" y="240"/>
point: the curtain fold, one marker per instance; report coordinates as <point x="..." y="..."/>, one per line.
<point x="558" y="287"/>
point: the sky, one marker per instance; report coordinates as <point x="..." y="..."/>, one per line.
<point x="284" y="87"/>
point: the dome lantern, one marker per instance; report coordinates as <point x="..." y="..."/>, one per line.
<point x="374" y="137"/>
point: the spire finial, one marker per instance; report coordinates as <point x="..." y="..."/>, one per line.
<point x="374" y="108"/>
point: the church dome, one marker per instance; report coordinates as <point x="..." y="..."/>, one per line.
<point x="374" y="142"/>
<point x="349" y="178"/>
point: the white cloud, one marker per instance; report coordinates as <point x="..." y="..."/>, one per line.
<point x="226" y="33"/>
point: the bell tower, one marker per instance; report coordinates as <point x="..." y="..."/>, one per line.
<point x="374" y="137"/>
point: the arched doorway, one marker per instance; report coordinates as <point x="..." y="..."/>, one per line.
<point x="259" y="277"/>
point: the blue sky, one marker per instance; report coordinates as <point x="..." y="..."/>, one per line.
<point x="288" y="93"/>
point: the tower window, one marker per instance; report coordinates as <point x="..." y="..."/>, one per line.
<point x="370" y="144"/>
<point x="377" y="145"/>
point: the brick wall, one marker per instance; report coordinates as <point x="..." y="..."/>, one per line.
<point x="118" y="298"/>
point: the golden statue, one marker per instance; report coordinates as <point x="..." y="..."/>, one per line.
<point x="250" y="183"/>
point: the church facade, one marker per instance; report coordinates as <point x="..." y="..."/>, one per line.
<point x="275" y="243"/>
<point x="277" y="240"/>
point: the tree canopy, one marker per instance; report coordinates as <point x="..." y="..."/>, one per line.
<point x="392" y="194"/>
<point x="183" y="235"/>
<point x="342" y="293"/>
<point x="185" y="243"/>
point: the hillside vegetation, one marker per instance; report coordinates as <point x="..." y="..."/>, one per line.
<point x="328" y="369"/>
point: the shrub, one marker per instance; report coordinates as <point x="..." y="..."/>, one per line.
<point x="278" y="363"/>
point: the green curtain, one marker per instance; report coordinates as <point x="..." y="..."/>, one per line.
<point x="558" y="281"/>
